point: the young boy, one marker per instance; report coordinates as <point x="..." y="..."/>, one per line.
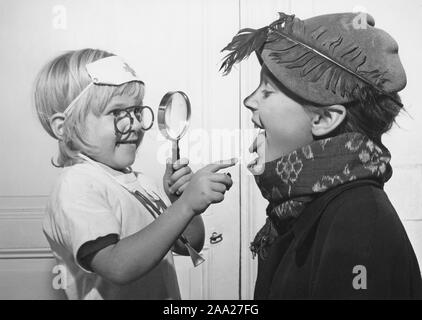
<point x="328" y="92"/>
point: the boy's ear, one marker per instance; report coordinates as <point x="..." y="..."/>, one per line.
<point x="329" y="119"/>
<point x="57" y="125"/>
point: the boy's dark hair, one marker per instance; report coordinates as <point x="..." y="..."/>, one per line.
<point x="371" y="114"/>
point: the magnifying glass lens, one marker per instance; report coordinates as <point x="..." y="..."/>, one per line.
<point x="176" y="115"/>
<point x="174" y="118"/>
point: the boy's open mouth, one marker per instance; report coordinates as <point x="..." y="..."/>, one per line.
<point x="257" y="125"/>
<point x="258" y="146"/>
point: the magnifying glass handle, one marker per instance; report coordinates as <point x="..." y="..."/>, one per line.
<point x="175" y="151"/>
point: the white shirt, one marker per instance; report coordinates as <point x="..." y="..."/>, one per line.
<point x="87" y="204"/>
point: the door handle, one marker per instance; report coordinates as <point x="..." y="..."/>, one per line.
<point x="216" y="238"/>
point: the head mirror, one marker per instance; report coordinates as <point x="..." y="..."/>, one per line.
<point x="174" y="118"/>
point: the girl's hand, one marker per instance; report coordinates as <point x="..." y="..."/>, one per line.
<point x="176" y="178"/>
<point x="207" y="186"/>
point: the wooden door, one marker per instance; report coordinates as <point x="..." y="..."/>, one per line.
<point x="174" y="45"/>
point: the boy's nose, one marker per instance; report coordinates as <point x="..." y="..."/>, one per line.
<point x="250" y="103"/>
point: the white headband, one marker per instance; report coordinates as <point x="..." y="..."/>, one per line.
<point x="109" y="71"/>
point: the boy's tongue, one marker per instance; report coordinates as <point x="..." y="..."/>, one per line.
<point x="258" y="147"/>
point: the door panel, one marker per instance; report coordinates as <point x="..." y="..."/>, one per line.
<point x="26" y="262"/>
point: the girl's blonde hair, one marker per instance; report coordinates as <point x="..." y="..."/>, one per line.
<point x="59" y="83"/>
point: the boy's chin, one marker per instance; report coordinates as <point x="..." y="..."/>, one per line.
<point x="256" y="167"/>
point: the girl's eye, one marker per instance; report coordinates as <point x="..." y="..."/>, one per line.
<point x="117" y="113"/>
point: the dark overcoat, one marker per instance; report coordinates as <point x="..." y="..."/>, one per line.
<point x="348" y="243"/>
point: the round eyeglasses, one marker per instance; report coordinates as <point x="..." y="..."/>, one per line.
<point x="123" y="120"/>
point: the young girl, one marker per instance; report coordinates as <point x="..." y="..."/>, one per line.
<point x="327" y="94"/>
<point x="108" y="241"/>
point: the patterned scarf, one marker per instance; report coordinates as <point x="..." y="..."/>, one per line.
<point x="293" y="180"/>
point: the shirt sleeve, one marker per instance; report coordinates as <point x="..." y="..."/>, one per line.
<point x="89" y="249"/>
<point x="84" y="213"/>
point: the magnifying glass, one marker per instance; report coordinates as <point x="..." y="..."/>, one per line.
<point x="173" y="121"/>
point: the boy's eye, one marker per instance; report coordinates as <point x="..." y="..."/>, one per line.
<point x="266" y="93"/>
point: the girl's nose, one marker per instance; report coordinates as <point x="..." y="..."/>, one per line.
<point x="137" y="125"/>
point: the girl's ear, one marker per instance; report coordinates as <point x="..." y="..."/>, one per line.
<point x="327" y="120"/>
<point x="57" y="125"/>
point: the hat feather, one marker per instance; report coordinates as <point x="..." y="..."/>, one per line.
<point x="243" y="44"/>
<point x="317" y="53"/>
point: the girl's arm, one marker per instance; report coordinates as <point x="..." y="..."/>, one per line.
<point x="175" y="180"/>
<point x="134" y="256"/>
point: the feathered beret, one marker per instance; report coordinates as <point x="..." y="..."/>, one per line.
<point x="326" y="59"/>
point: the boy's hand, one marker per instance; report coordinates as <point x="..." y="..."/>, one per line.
<point x="176" y="178"/>
<point x="207" y="186"/>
